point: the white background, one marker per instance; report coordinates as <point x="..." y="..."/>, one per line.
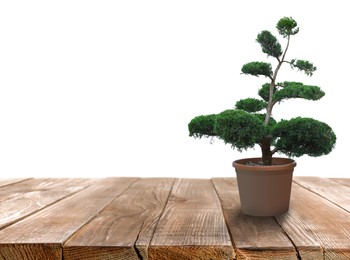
<point x="107" y="88"/>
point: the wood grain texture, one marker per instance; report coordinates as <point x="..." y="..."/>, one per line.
<point x="5" y="182"/>
<point x="40" y="233"/>
<point x="132" y="218"/>
<point x="253" y="237"/>
<point x="344" y="181"/>
<point x="329" y="189"/>
<point x="318" y="228"/>
<point x="188" y="252"/>
<point x="30" y="251"/>
<point x="24" y="198"/>
<point x="124" y="229"/>
<point x="192" y="225"/>
<point x="32" y="185"/>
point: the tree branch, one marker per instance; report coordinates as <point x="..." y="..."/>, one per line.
<point x="285" y="51"/>
<point x="273" y="85"/>
<point x="274" y="151"/>
<point x="279" y="85"/>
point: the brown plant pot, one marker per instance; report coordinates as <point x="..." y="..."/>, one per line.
<point x="264" y="190"/>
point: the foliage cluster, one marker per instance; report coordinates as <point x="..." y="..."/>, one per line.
<point x="248" y="124"/>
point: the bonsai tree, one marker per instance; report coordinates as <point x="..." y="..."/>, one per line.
<point x="251" y="121"/>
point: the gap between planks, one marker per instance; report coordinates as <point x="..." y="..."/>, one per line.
<point x="317" y="226"/>
<point x="22" y="199"/>
<point x="252" y="237"/>
<point x="306" y="230"/>
<point x="40" y="233"/>
<point x="124" y="228"/>
<point x="192" y="225"/>
<point x="6" y="182"/>
<point x="335" y="191"/>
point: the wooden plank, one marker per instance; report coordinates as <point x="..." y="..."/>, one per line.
<point x="318" y="228"/>
<point x="5" y="182"/>
<point x="30" y="251"/>
<point x="18" y="189"/>
<point x="253" y="237"/>
<point x="327" y="188"/>
<point x="344" y="181"/>
<point x="24" y="198"/>
<point x="123" y="230"/>
<point x="41" y="235"/>
<point x="192" y="225"/>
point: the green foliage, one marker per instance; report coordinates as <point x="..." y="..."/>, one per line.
<point x="303" y="65"/>
<point x="287" y="90"/>
<point x="262" y="119"/>
<point x="239" y="128"/>
<point x="287" y="26"/>
<point x="202" y="126"/>
<point x="269" y="44"/>
<point x="300" y="136"/>
<point x="251" y="104"/>
<point x="297" y="90"/>
<point x="243" y="127"/>
<point x="264" y="91"/>
<point x="271" y="124"/>
<point x="257" y="68"/>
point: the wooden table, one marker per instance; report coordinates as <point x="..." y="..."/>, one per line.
<point x="164" y="218"/>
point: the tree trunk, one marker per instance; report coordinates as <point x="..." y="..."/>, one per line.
<point x="266" y="151"/>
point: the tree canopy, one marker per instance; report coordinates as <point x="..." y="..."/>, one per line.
<point x="247" y="125"/>
<point x="299" y="136"/>
<point x="269" y="44"/>
<point x="257" y="68"/>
